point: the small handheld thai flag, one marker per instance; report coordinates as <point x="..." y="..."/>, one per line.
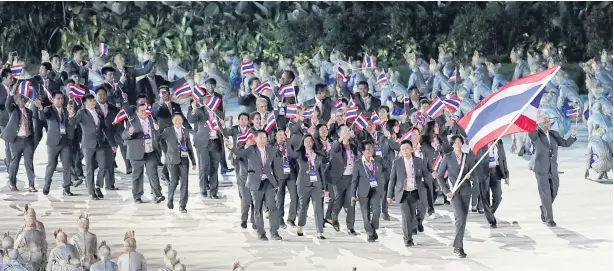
<point x="352" y="102"/>
<point x="308" y="114"/>
<point x="212" y="124"/>
<point x="270" y="122"/>
<point x="198" y="92"/>
<point x="242" y="138"/>
<point x="17" y="70"/>
<point x="406" y="99"/>
<point x="437" y="163"/>
<point x="376" y="120"/>
<point x="351" y="113"/>
<point x="213" y="102"/>
<point x="341" y="74"/>
<point x="338" y="103"/>
<point x="360" y="122"/>
<point x="368" y="62"/>
<point x="291" y="111"/>
<point x="381" y="79"/>
<point x="397" y="111"/>
<point x="121" y="116"/>
<point x="25" y="89"/>
<point x="435" y="108"/>
<point x="264" y="86"/>
<point x="148" y="110"/>
<point x="287" y="91"/>
<point x="183" y="90"/>
<point x="406" y="136"/>
<point x="572" y="113"/>
<point x="247" y="68"/>
<point x="420" y="119"/>
<point x="103" y="49"/>
<point x="75" y="91"/>
<point x="48" y="93"/>
<point x="452" y="103"/>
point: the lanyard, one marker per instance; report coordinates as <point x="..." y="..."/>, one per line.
<point x="368" y="170"/>
<point x="183" y="138"/>
<point x="311" y="159"/>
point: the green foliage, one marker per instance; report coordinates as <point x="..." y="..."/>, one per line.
<point x="268" y="29"/>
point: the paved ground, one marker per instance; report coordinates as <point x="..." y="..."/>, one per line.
<point x="208" y="237"/>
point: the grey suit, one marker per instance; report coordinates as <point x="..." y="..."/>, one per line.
<point x="262" y="184"/>
<point x="546" y="167"/>
<point x="140" y="160"/>
<point x="370" y="198"/>
<point x="341" y="183"/>
<point x="407" y="199"/>
<point x="309" y="190"/>
<point x="95" y="139"/>
<point x="240" y="164"/>
<point x="20" y="146"/>
<point x="4" y="119"/>
<point x="286" y="181"/>
<point x="490" y="180"/>
<point x="327" y="105"/>
<point x="58" y="143"/>
<point x="178" y="164"/>
<point x="209" y="150"/>
<point x="460" y="201"/>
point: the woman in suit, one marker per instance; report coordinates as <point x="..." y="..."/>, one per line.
<point x="432" y="145"/>
<point x="309" y="183"/>
<point x="322" y="145"/>
<point x="390" y="148"/>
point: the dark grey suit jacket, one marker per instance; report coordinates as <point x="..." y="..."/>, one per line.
<point x="50" y="114"/>
<point x="546" y="154"/>
<point x="278" y="169"/>
<point x="202" y="131"/>
<point x="164" y="115"/>
<point x="255" y="169"/>
<point x="303" y="169"/>
<point x="373" y="106"/>
<point x="92" y="136"/>
<point x="450" y="164"/>
<point x="135" y="143"/>
<point x="327" y="105"/>
<point x="483" y="169"/>
<point x="338" y="158"/>
<point x="398" y="175"/>
<point x="4" y="115"/>
<point x="360" y="178"/>
<point x="12" y="127"/>
<point x="173" y="155"/>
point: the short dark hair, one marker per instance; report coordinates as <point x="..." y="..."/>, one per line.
<point x="406" y="141"/>
<point x="262" y="132"/>
<point x="253" y="114"/>
<point x="344" y="101"/>
<point x="320" y="88"/>
<point x="139" y="106"/>
<point x="363" y="83"/>
<point x="178" y="113"/>
<point x="385" y="107"/>
<point x="243" y="114"/>
<point x="54" y="56"/>
<point x="454" y="137"/>
<point x="107" y="69"/>
<point x="77" y="48"/>
<point x="88" y="97"/>
<point x="211" y="81"/>
<point x="47" y="66"/>
<point x="142" y="95"/>
<point x="251" y="80"/>
<point x="290" y="74"/>
<point x="102" y="87"/>
<point x="56" y="93"/>
<point x="424" y="101"/>
<point x="6" y="72"/>
<point x="364" y="144"/>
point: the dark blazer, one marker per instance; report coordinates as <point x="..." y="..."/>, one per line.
<point x="164" y="115"/>
<point x="449" y="163"/>
<point x="111" y="113"/>
<point x="338" y="158"/>
<point x="398" y="175"/>
<point x="389" y="147"/>
<point x="130" y="86"/>
<point x="546" y="155"/>
<point x="92" y="136"/>
<point x="373" y="107"/>
<point x="73" y="66"/>
<point x="9" y="134"/>
<point x="255" y="169"/>
<point x="143" y="86"/>
<point x="327" y="106"/>
<point x="135" y="143"/>
<point x="173" y="155"/>
<point x="360" y="178"/>
<point x="203" y="132"/>
<point x="483" y="170"/>
<point x="249" y="101"/>
<point x="278" y="159"/>
<point x="303" y="169"/>
<point x="4" y="95"/>
<point x="50" y="114"/>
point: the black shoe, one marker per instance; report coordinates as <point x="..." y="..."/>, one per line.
<point x="98" y="193"/>
<point x="66" y="192"/>
<point x="138" y="201"/>
<point x="204" y="194"/>
<point x="446" y="202"/>
<point x="375" y="236"/>
<point x="183" y="210"/>
<point x="430" y="212"/>
<point x="77" y="183"/>
<point x="263" y="237"/>
<point x="474" y="210"/>
<point x="386" y="217"/>
<point x="480" y="211"/>
<point x="214" y="197"/>
<point x="228" y="170"/>
<point x="352" y="232"/>
<point x="414" y="232"/>
<point x="46" y="190"/>
<point x="159" y="199"/>
<point x="326" y="221"/>
<point x="541" y="210"/>
<point x="460" y="253"/>
<point x="112" y="188"/>
<point x="170" y="205"/>
<point x="321" y="237"/>
<point x="283" y="225"/>
<point x="243" y="224"/>
<point x="129" y="171"/>
<point x="336" y="226"/>
<point x="254" y="226"/>
<point x="94" y="197"/>
<point x="493" y="225"/>
<point x="409" y="243"/>
<point x="420" y="228"/>
<point x="370" y="239"/>
<point x="276" y="236"/>
<point x="298" y="233"/>
<point x="291" y="223"/>
<point x="551" y="224"/>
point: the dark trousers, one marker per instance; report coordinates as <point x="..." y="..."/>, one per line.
<point x="384" y="199"/>
<point x="123" y="149"/>
<point x="179" y="175"/>
<point x="209" y="161"/>
<point x="76" y="165"/>
<point x="343" y="199"/>
<point x="265" y="196"/>
<point x="430" y="195"/>
<point x="7" y="150"/>
<point x="38" y="126"/>
<point x="92" y="158"/>
<point x="22" y="146"/>
<point x="109" y="172"/>
<point x="489" y="185"/>
<point x="165" y="174"/>
<point x="548" y="187"/>
<point x="246" y="203"/>
<point x="290" y="185"/>
<point x="305" y="194"/>
<point x="421" y="205"/>
<point x="408" y="202"/>
<point x="476" y="202"/>
<point x="371" y="209"/>
<point x="149" y="162"/>
<point x="64" y="151"/>
<point x="460" y="204"/>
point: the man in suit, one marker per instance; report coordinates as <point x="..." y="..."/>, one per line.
<point x="162" y="113"/>
<point x="366" y="102"/>
<point x="96" y="137"/>
<point x="261" y="182"/>
<point x="19" y="135"/>
<point x="546" y="143"/>
<point x="247" y="99"/>
<point x="77" y="64"/>
<point x="343" y="154"/>
<point x="210" y="85"/>
<point x="368" y="186"/>
<point x="208" y="145"/>
<point x="179" y="148"/>
<point x="59" y="141"/>
<point x="406" y="176"/>
<point x="6" y="90"/>
<point x="128" y="75"/>
<point x="76" y="165"/>
<point x="141" y="139"/>
<point x="114" y="88"/>
<point x="489" y="173"/>
<point x="150" y="86"/>
<point x="286" y="78"/>
<point x="109" y="111"/>
<point x="323" y="103"/>
<point x="457" y="164"/>
<point x="43" y="85"/>
<point x="286" y="175"/>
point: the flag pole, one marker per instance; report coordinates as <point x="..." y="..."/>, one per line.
<point x="459" y="183"/>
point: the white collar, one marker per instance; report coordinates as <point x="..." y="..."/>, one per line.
<point x="364" y="160"/>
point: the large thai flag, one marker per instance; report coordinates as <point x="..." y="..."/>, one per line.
<point x="452" y="103"/>
<point x="381" y="79"/>
<point x="351" y="113"/>
<point x="512" y="109"/>
<point x="121" y="116"/>
<point x="270" y="122"/>
<point x="264" y="86"/>
<point x="183" y="90"/>
<point x="213" y="102"/>
<point x="368" y="62"/>
<point x="360" y="122"/>
<point x="435" y="108"/>
<point x="25" y="89"/>
<point x="287" y="91"/>
<point x="17" y="70"/>
<point x="75" y="91"/>
<point x="103" y="49"/>
<point x="291" y="111"/>
<point x="198" y="91"/>
<point x="247" y="68"/>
